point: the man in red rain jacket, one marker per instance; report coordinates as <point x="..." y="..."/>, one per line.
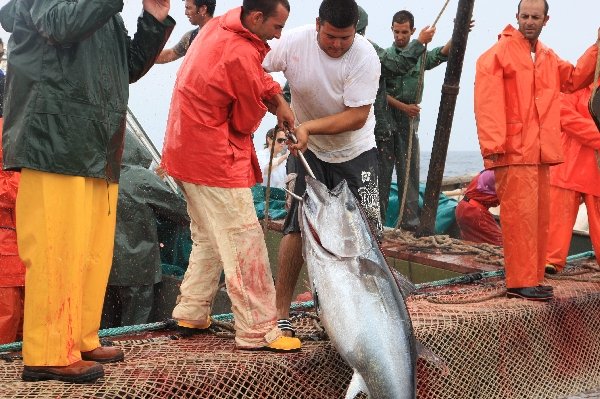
<point x="517" y="109"/>
<point x="219" y="99"/>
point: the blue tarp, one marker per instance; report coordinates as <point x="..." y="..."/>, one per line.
<point x="276" y="202"/>
<point x="445" y="212"/>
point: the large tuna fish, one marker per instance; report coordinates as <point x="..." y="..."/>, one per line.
<point x="358" y="300"/>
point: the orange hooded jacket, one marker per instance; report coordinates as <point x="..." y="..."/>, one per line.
<point x="517" y="105"/>
<point x="217" y="104"/>
<point x="580" y="141"/>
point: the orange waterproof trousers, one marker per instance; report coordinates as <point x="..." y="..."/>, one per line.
<point x="11" y="313"/>
<point x="66" y="228"/>
<point x="564" y="205"/>
<point x="524" y="193"/>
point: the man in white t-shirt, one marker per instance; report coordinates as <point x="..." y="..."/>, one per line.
<point x="334" y="76"/>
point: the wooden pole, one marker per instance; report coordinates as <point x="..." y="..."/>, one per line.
<point x="445" y="116"/>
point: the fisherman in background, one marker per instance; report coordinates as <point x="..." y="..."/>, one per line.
<point x="517" y="109"/>
<point x="198" y="12"/>
<point x="12" y="269"/>
<point x="274" y="137"/>
<point x="576" y="180"/>
<point x="143" y="200"/>
<point x="403" y="97"/>
<point x="68" y="73"/>
<point x="208" y="148"/>
<point x="474" y="219"/>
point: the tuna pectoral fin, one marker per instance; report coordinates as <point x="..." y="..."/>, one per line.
<point x="357" y="385"/>
<point x="405" y="286"/>
<point x="428" y="356"/>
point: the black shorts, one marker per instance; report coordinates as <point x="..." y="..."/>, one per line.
<point x="362" y="176"/>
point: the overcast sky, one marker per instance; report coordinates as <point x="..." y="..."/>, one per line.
<point x="572" y="28"/>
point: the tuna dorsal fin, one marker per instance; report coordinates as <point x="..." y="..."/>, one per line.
<point x="357" y="385"/>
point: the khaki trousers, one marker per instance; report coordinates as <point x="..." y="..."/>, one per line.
<point x="66" y="228"/>
<point x="227" y="237"/>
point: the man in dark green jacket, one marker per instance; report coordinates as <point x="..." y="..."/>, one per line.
<point x="403" y="98"/>
<point x="68" y="73"/>
<point x="143" y="200"/>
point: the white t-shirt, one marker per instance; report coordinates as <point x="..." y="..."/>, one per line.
<point x="278" y="173"/>
<point x="323" y="86"/>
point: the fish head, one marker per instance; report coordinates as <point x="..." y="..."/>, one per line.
<point x="334" y="219"/>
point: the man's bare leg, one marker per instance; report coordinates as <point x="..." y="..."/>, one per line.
<point x="289" y="263"/>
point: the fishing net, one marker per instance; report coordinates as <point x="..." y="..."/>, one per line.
<point x="485" y="346"/>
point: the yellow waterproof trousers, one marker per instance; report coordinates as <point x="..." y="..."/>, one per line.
<point x="66" y="230"/>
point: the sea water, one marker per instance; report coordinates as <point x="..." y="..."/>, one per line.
<point x="458" y="163"/>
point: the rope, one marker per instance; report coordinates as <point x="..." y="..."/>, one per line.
<point x="411" y="126"/>
<point x="268" y="190"/>
<point x="222" y="320"/>
<point x="109" y="332"/>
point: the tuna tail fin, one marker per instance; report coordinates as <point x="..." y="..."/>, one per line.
<point x="357" y="385"/>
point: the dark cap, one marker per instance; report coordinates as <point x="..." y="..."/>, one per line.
<point x="363" y="20"/>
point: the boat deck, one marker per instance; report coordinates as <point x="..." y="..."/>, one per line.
<point x="486" y="346"/>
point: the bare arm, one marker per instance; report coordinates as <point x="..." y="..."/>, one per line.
<point x="278" y="106"/>
<point x="446" y="49"/>
<point x="167" y="55"/>
<point x="352" y="118"/>
<point x="177" y="51"/>
<point x="411" y="110"/>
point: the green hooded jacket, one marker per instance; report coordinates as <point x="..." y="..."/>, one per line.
<point x="69" y="67"/>
<point x="144" y="201"/>
<point x="393" y="65"/>
<point x="404" y="88"/>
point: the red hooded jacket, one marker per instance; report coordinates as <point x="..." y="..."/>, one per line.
<point x="217" y="104"/>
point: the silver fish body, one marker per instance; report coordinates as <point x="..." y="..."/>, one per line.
<point x="358" y="300"/>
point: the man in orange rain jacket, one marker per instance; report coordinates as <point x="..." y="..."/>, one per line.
<point x="517" y="109"/>
<point x="12" y="269"/>
<point x="575" y="181"/>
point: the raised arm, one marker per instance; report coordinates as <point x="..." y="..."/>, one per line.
<point x="176" y="52"/>
<point x="66" y="22"/>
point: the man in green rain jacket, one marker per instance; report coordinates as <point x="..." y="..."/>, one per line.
<point x="403" y="98"/>
<point x="69" y="67"/>
<point x="144" y="199"/>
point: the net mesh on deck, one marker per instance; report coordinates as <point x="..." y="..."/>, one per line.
<point x="486" y="346"/>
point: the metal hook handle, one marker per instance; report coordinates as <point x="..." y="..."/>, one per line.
<point x="294" y="140"/>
